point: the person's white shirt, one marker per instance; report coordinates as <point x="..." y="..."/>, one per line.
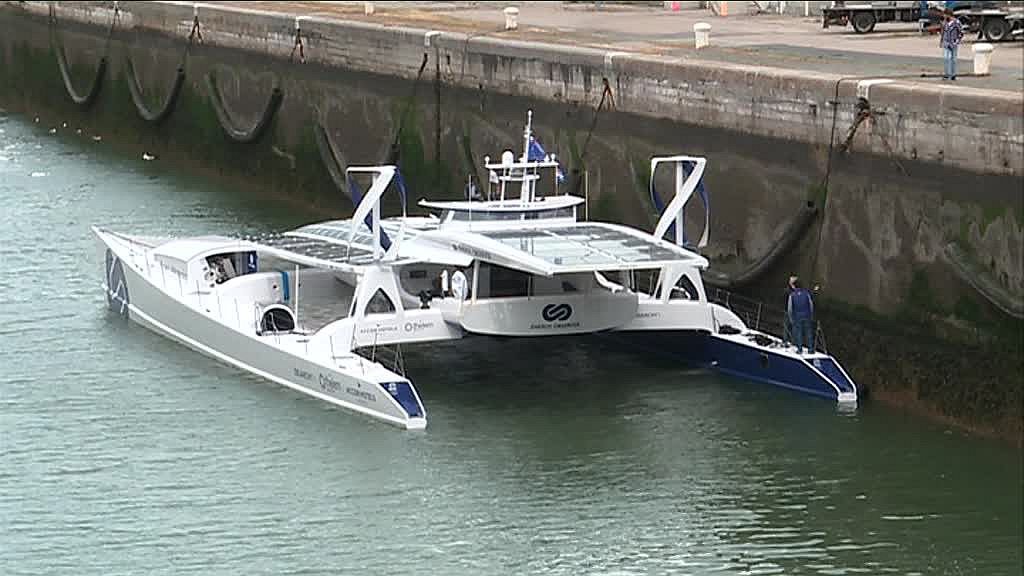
<point x="459" y="285"/>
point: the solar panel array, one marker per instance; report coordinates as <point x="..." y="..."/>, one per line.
<point x="325" y="250"/>
<point x="588" y="245"/>
<point x="339" y="230"/>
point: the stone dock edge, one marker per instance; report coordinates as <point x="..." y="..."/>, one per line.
<point x="971" y="129"/>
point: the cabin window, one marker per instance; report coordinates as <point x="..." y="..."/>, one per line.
<point x="644" y="281"/>
<point x="380" y="303"/>
<point x="222" y="267"/>
<point x="483" y="216"/>
<point x="507" y="282"/>
<point x="684" y="290"/>
<point x="544" y="214"/>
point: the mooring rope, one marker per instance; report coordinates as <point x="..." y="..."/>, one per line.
<point x="606" y="97"/>
<point x="89" y="98"/>
<point x="864" y="112"/>
<point x="606" y="93"/>
<point x="393" y="153"/>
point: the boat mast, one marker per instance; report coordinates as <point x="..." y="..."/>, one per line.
<point x="525" y="191"/>
<point x="378" y="250"/>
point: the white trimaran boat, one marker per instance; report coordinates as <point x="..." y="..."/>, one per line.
<point x="322" y="309"/>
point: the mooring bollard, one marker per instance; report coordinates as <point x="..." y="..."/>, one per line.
<point x="982" y="58"/>
<point x="701" y="35"/>
<point x="511" y="18"/>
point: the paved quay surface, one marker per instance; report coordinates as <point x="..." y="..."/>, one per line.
<point x="787" y="42"/>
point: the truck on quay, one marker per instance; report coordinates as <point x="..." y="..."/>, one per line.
<point x="994" y="20"/>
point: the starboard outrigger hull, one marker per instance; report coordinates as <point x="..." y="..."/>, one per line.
<point x="740" y="356"/>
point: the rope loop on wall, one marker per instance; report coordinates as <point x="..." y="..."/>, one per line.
<point x="157" y="116"/>
<point x="57" y="45"/>
<point x="227" y="121"/>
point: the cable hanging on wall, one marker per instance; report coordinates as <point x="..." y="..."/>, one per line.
<point x="227" y="121"/>
<point x="393" y="154"/>
<point x="57" y="45"/>
<point x="607" y="97"/>
<point x="329" y="154"/>
<point x="135" y="88"/>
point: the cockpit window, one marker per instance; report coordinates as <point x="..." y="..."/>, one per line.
<point x="684" y="290"/>
<point x="380" y="303"/>
<point x="500" y="216"/>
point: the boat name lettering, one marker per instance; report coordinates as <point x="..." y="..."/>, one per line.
<point x="550" y="325"/>
<point x="648" y="314"/>
<point x="476" y="252"/>
<point x="328" y="384"/>
<point x="361" y="394"/>
<point x="378" y="329"/>
<point x="305" y="375"/>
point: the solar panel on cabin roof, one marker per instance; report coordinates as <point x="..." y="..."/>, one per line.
<point x="318" y="249"/>
<point x="587" y="244"/>
<point x="338" y="230"/>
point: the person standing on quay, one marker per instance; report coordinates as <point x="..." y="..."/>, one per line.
<point x="949" y="41"/>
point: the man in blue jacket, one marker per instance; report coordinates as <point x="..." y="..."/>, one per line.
<point x="800" y="311"/>
<point x="787" y="333"/>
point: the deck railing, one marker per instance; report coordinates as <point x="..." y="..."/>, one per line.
<point x="387" y="355"/>
<point x="761" y="317"/>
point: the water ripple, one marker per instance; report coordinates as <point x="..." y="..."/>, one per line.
<point x="123" y="453"/>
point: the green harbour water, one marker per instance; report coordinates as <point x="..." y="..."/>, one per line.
<point x="122" y="452"/>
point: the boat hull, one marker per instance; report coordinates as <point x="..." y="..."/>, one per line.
<point x="131" y="294"/>
<point x="738" y="355"/>
<point x="547" y="315"/>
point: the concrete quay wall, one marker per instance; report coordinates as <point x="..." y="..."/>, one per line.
<point x="971" y="129"/>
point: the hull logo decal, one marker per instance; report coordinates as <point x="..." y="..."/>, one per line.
<point x="556" y="312"/>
